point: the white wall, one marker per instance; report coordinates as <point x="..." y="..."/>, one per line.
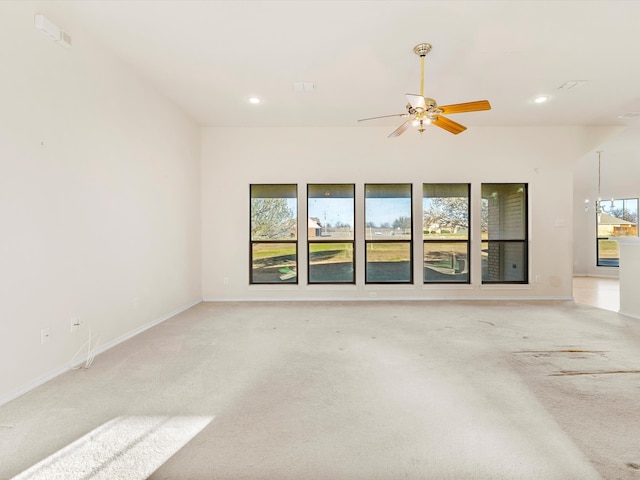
<point x="620" y="178"/>
<point x="233" y="158"/>
<point x="99" y="201"/>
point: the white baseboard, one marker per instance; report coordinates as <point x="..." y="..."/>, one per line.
<point x="102" y="348"/>
<point x="632" y="315"/>
<point x="386" y="299"/>
<point x="30" y="386"/>
<point x="611" y="273"/>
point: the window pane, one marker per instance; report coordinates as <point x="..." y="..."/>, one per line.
<point x="273" y="212"/>
<point x="504" y="217"/>
<point x="330" y="211"/>
<point x="616" y="218"/>
<point x="608" y="253"/>
<point x="445" y="211"/>
<point x="504" y="211"/>
<point x="446" y="262"/>
<point x="445" y="217"/>
<point x="273" y="262"/>
<point x="388" y="212"/>
<point x="504" y="262"/>
<point x="388" y="262"/>
<point x="331" y="263"/>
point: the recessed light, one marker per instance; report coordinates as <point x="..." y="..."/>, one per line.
<point x="254" y="100"/>
<point x="540" y="99"/>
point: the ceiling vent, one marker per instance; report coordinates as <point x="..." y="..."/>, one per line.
<point x="572" y="85"/>
<point x="304" y="87"/>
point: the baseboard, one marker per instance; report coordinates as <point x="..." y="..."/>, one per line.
<point x="387" y="299"/>
<point x="35" y="384"/>
<point x="597" y="275"/>
<point x="103" y="348"/>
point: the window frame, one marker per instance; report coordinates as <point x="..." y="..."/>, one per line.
<point x="373" y="241"/>
<point x="466" y="241"/>
<point x="351" y="241"/>
<point x="599" y="238"/>
<point x="506" y="241"/>
<point x="294" y="241"/>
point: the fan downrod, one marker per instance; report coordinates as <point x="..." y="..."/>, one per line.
<point x="422" y="49"/>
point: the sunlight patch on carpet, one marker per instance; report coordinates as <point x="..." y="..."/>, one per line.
<point x="127" y="448"/>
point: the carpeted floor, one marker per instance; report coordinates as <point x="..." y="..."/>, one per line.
<point x="358" y="390"/>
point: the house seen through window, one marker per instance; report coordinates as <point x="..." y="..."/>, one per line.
<point x="330" y="233"/>
<point x="388" y="233"/>
<point x="615" y="218"/>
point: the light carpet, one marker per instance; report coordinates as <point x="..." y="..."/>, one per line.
<point x="362" y="390"/>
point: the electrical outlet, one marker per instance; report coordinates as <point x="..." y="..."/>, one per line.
<point x="373" y="294"/>
<point x="75" y="325"/>
<point x="136" y="303"/>
<point x="44" y="336"/>
<point x="225" y="280"/>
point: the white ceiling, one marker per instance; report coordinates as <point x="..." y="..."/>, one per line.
<point x="210" y="56"/>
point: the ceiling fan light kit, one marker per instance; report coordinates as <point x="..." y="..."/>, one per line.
<point x="424" y="111"/>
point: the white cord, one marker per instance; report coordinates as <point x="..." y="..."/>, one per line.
<point x="90" y="355"/>
<point x="74" y="357"/>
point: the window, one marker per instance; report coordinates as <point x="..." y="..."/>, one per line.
<point x="445" y="219"/>
<point x="616" y="218"/>
<point x="330" y="209"/>
<point x="274" y="255"/>
<point x="504" y="233"/>
<point x="388" y="233"/>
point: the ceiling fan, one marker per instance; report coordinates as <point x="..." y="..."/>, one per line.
<point x="423" y="110"/>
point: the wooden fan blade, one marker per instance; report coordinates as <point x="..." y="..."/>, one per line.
<point x="416" y="101"/>
<point x="401" y="129"/>
<point x="466" y="107"/>
<point x="385" y="116"/>
<point x="449" y="125"/>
